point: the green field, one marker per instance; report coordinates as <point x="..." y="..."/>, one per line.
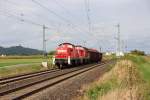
<point x="143" y="64"/>
<point x="14" y="60"/>
<point x="13" y="65"/>
<point x="9" y="62"/>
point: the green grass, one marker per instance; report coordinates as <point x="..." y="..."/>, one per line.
<point x="5" y="71"/>
<point x="24" y="64"/>
<point x="143" y="66"/>
<point x="14" y="60"/>
<point x="25" y="57"/>
<point x="8" y="62"/>
<point x="101" y="89"/>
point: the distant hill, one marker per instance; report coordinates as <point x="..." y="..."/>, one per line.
<point x="19" y="50"/>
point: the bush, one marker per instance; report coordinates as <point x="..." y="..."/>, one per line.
<point x="51" y="52"/>
<point x="138" y="52"/>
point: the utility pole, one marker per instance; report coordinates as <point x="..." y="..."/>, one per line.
<point x="100" y="49"/>
<point x="84" y="43"/>
<point x="122" y="46"/>
<point x="44" y="41"/>
<point x="87" y="8"/>
<point x="118" y="38"/>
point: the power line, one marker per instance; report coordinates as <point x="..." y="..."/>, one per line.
<point x="49" y="10"/>
<point x="66" y="10"/>
<point x="73" y="26"/>
<point x="20" y="19"/>
<point x="64" y="19"/>
<point x="60" y="5"/>
<point x="57" y="15"/>
<point x="35" y="14"/>
<point x="31" y="22"/>
<point x="118" y="40"/>
<point x="8" y="14"/>
<point x="87" y="9"/>
<point x="44" y="41"/>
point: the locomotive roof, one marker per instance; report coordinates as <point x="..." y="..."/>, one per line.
<point x="93" y="50"/>
<point x="66" y="43"/>
<point x="78" y="46"/>
<point x="81" y="46"/>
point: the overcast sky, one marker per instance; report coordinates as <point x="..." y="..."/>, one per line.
<point x="67" y="22"/>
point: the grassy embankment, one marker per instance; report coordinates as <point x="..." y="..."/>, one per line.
<point x="14" y="65"/>
<point x="129" y="79"/>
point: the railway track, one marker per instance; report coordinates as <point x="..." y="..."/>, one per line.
<point x="25" y="76"/>
<point x="24" y="86"/>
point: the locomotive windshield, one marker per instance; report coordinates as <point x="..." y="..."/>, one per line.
<point x="61" y="51"/>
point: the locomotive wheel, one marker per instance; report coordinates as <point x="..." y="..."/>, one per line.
<point x="60" y="66"/>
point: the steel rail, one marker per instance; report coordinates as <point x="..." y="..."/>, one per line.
<point x="15" y="76"/>
<point x="59" y="81"/>
<point x="81" y="70"/>
<point x="25" y="76"/>
<point x="9" y="90"/>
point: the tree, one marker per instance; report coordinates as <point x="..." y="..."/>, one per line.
<point x="138" y="52"/>
<point x="51" y="52"/>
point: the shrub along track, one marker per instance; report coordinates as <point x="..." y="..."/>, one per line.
<point x="24" y="86"/>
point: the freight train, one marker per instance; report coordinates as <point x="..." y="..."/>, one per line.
<point x="68" y="54"/>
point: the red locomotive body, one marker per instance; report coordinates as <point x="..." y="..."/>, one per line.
<point x="83" y="54"/>
<point x="65" y="51"/>
<point x="69" y="54"/>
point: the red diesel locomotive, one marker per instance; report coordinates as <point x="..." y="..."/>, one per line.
<point x="69" y="54"/>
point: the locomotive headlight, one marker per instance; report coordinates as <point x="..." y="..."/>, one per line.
<point x="53" y="60"/>
<point x="60" y="51"/>
<point x="69" y="61"/>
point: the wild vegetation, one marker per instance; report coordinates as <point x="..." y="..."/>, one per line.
<point x="138" y="52"/>
<point x="128" y="80"/>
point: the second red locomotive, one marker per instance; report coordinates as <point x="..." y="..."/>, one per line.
<point x="69" y="54"/>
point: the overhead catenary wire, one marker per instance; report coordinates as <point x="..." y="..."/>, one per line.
<point x="69" y="23"/>
<point x="63" y="7"/>
<point x="59" y="16"/>
<point x="8" y="14"/>
<point x="49" y="10"/>
<point x="31" y="22"/>
<point x="64" y="19"/>
<point x="20" y="18"/>
<point x="87" y="9"/>
<point x="21" y="13"/>
<point x="66" y="10"/>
